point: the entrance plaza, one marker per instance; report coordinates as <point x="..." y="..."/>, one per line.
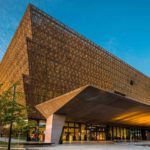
<point x="118" y="146"/>
<point x="95" y="146"/>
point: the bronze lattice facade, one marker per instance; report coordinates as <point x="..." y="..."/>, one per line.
<point x="49" y="59"/>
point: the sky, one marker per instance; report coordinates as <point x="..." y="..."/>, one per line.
<point x="122" y="27"/>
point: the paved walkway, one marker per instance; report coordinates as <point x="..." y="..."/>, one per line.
<point x="5" y="139"/>
<point x="98" y="146"/>
<point x="116" y="146"/>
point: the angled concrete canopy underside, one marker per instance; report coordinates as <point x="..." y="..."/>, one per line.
<point x="90" y="104"/>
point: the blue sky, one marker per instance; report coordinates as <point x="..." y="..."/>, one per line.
<point x="120" y="26"/>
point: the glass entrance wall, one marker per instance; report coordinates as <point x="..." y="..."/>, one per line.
<point x="75" y="131"/>
<point x="83" y="132"/>
<point x="125" y="133"/>
<point x="36" y="131"/>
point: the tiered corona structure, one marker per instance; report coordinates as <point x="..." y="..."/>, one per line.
<point x="49" y="59"/>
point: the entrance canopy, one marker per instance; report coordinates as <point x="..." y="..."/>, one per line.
<point x="90" y="104"/>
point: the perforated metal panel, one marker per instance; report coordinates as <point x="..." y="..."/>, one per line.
<point x="50" y="59"/>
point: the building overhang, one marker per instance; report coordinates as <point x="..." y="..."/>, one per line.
<point x="90" y="104"/>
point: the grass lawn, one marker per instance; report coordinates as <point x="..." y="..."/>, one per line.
<point x="5" y="144"/>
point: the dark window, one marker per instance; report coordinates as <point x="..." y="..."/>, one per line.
<point x="131" y="82"/>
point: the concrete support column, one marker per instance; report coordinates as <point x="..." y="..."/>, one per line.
<point x="54" y="126"/>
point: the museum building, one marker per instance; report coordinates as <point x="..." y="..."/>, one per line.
<point x="82" y="91"/>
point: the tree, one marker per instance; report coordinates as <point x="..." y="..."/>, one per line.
<point x="11" y="112"/>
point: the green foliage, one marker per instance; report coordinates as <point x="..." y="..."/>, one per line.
<point x="11" y="111"/>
